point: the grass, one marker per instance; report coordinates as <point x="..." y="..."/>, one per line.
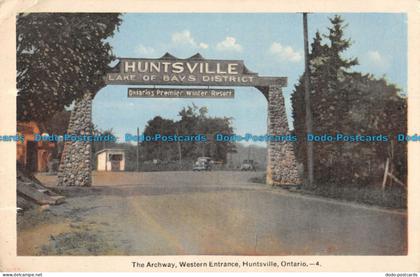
<point x="393" y="197"/>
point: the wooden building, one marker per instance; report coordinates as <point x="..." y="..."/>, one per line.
<point x="34" y="155"/>
<point x="110" y="160"/>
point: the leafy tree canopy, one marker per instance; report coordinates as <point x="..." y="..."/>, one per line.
<point x="194" y="120"/>
<point x="60" y="56"/>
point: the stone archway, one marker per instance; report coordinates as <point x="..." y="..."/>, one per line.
<point x="76" y="165"/>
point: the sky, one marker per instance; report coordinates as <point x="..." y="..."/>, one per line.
<point x="270" y="44"/>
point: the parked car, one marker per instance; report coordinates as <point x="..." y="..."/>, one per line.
<point x="202" y="164"/>
<point x="248" y="165"/>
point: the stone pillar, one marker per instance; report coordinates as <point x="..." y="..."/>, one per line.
<point x="76" y="165"/>
<point x="281" y="162"/>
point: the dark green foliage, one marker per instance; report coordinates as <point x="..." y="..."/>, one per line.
<point x="194" y="121"/>
<point x="57" y="124"/>
<point x="159" y="149"/>
<point x="349" y="103"/>
<point x="60" y="56"/>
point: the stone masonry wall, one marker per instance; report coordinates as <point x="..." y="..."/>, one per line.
<point x="76" y="164"/>
<point x="281" y="162"/>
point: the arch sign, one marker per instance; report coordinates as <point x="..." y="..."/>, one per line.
<point x="75" y="166"/>
<point x="194" y="71"/>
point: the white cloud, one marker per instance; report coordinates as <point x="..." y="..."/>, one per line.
<point x="185" y="38"/>
<point x="375" y="58"/>
<point x="285" y="53"/>
<point x="203" y="45"/>
<point x="145" y="50"/>
<point x="229" y="44"/>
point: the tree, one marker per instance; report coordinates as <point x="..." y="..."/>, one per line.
<point x="349" y="103"/>
<point x="194" y="121"/>
<point x="327" y="68"/>
<point x="60" y="56"/>
<point x="165" y="151"/>
<point x="57" y="124"/>
<point x="373" y="106"/>
<point x="318" y="58"/>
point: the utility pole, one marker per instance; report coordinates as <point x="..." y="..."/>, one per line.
<point x="308" y="112"/>
<point x="138" y="145"/>
<point x="179" y="149"/>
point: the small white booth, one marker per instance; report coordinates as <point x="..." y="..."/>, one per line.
<point x="110" y="160"/>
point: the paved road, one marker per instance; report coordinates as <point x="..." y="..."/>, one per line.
<point x="211" y="213"/>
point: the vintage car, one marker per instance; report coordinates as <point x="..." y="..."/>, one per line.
<point x="248" y="165"/>
<point x="202" y="164"/>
